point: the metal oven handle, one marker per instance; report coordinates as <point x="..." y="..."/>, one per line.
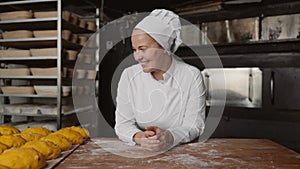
<point x="272" y="86"/>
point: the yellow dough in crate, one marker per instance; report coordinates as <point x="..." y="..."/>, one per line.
<point x="40" y="130"/>
<point x="3" y="147"/>
<point x="22" y="158"/>
<point x="71" y="135"/>
<point x="3" y="167"/>
<point x="48" y="149"/>
<point x="30" y="136"/>
<point x="12" y="141"/>
<point x="61" y="141"/>
<point x="8" y="130"/>
<point x="84" y="132"/>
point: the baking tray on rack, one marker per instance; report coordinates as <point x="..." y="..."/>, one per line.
<point x="54" y="162"/>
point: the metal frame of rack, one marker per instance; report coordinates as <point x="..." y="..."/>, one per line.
<point x="36" y="23"/>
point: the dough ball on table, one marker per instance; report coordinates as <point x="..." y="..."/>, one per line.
<point x="71" y="135"/>
<point x="8" y="130"/>
<point x="3" y="147"/>
<point x="30" y="136"/>
<point x="22" y="158"/>
<point x="40" y="130"/>
<point x="48" y="149"/>
<point x="84" y="132"/>
<point x="61" y="141"/>
<point x="12" y="141"/>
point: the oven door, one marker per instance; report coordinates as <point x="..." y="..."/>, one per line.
<point x="243" y="86"/>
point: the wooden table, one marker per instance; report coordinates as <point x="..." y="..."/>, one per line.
<point x="214" y="153"/>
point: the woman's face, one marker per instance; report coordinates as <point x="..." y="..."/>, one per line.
<point x="150" y="55"/>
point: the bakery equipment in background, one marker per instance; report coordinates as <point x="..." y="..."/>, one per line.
<point x="38" y="47"/>
<point x="281" y="27"/>
<point x="243" y="86"/>
<point x="227" y="31"/>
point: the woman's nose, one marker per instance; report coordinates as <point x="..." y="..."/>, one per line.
<point x="138" y="56"/>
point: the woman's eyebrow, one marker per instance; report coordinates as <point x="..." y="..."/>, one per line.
<point x="143" y="46"/>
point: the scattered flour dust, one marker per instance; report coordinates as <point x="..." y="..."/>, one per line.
<point x="185" y="159"/>
<point x="239" y="161"/>
<point x="123" y="149"/>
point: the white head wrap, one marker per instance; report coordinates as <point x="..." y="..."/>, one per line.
<point x="164" y="27"/>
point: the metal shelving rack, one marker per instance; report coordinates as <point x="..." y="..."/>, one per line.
<point x="56" y="23"/>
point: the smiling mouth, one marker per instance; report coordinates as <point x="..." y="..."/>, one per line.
<point x="143" y="63"/>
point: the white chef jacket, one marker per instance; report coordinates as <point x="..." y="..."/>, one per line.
<point x="176" y="103"/>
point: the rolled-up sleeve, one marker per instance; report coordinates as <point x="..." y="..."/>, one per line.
<point x="125" y="126"/>
<point x="194" y="115"/>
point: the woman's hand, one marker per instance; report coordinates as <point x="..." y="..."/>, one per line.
<point x="154" y="139"/>
<point x="141" y="138"/>
<point x="165" y="138"/>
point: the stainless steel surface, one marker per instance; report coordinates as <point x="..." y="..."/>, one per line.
<point x="27" y="95"/>
<point x="30" y="58"/>
<point x="28" y="114"/>
<point x="28" y="77"/>
<point x="285" y="91"/>
<point x="59" y="67"/>
<point x="243" y="86"/>
<point x="28" y="20"/>
<point x="28" y="39"/>
<point x="25" y="2"/>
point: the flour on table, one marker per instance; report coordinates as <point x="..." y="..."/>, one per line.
<point x="235" y="160"/>
<point x="123" y="149"/>
<point x="185" y="159"/>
